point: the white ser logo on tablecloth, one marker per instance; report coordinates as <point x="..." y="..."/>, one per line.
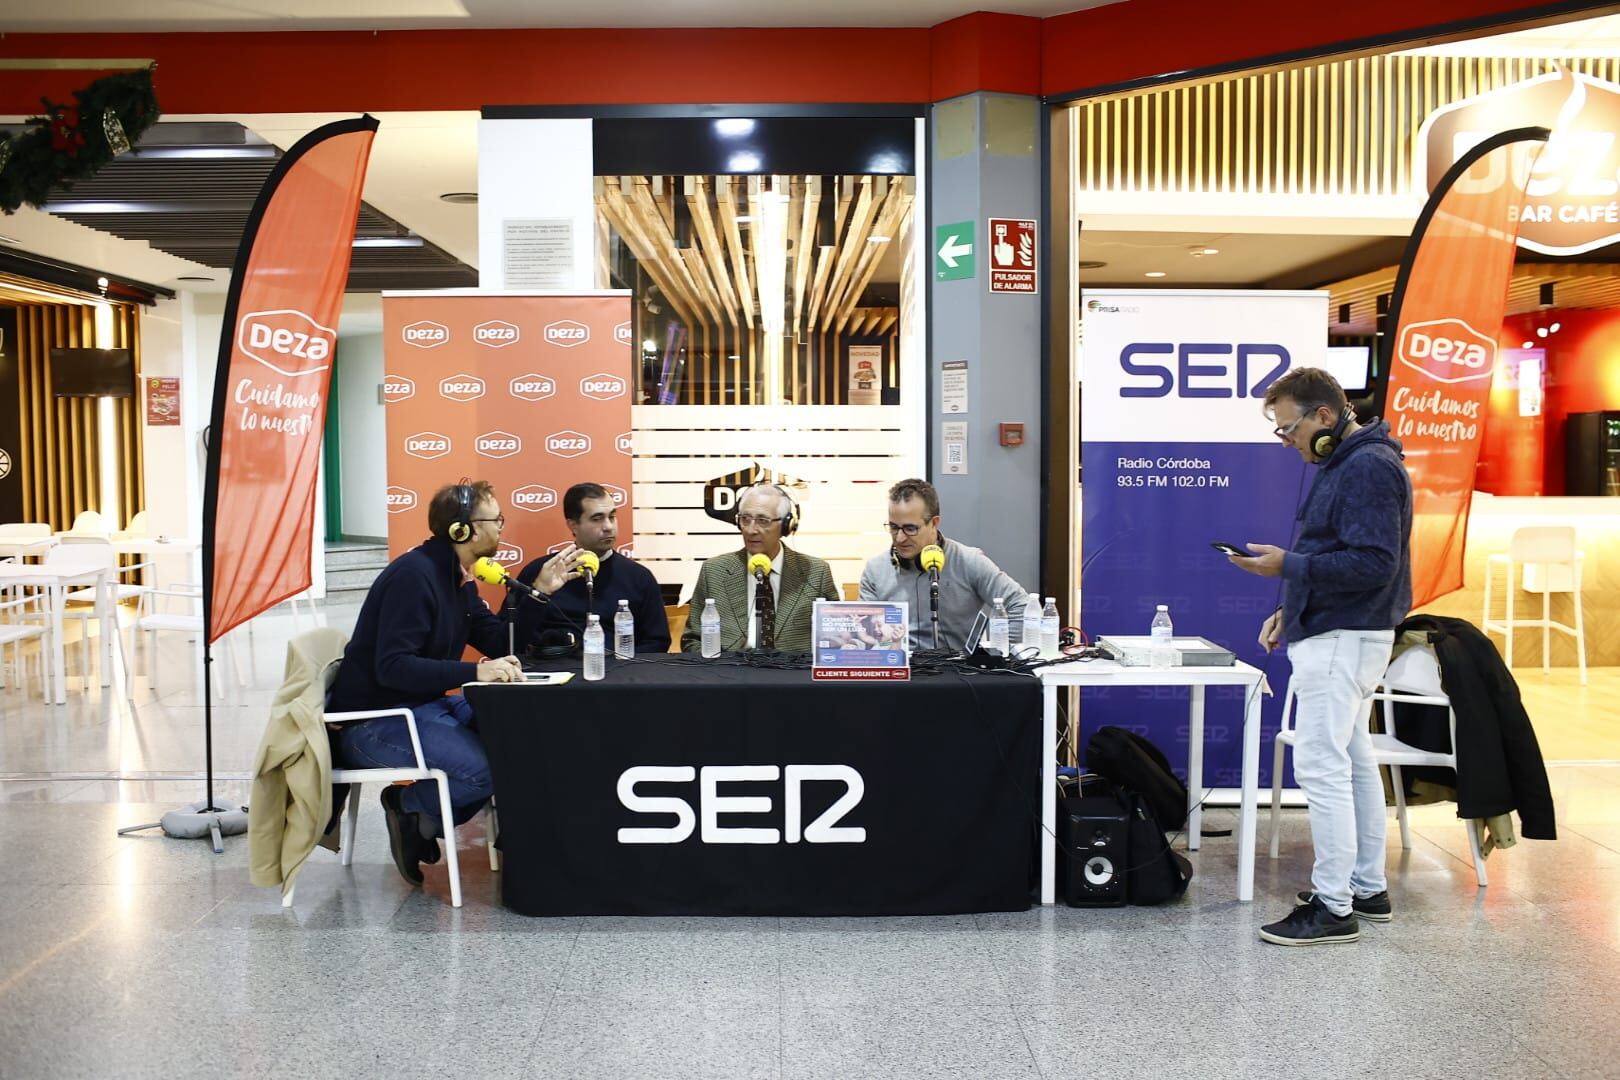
<point x="711" y="804"/>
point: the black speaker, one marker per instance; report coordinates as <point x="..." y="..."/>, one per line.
<point x="1093" y="836"/>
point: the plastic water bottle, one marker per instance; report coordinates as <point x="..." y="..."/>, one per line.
<point x="711" y="630"/>
<point x="1051" y="624"/>
<point x="595" y="662"/>
<point x="996" y="635"/>
<point x="1163" y="634"/>
<point x="624" y="632"/>
<point x="1030" y="638"/>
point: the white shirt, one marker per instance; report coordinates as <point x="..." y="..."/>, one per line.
<point x="776" y="595"/>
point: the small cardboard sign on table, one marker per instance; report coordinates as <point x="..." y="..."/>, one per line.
<point x="857" y="639"/>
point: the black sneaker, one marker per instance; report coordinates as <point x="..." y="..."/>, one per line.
<point x="1374" y="908"/>
<point x="1312" y="924"/>
<point x="403" y="836"/>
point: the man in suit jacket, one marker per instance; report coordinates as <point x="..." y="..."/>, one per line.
<point x="765" y="514"/>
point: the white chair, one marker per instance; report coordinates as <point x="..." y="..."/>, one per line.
<point x="1413" y="678"/>
<point x="136" y="529"/>
<point x="89" y="523"/>
<point x="1552" y="564"/>
<point x="416" y="773"/>
<point x="94" y="603"/>
<point x="25" y="530"/>
<point x="190" y="621"/>
<point x="28" y="625"/>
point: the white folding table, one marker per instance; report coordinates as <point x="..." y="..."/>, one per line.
<point x="1110" y="673"/>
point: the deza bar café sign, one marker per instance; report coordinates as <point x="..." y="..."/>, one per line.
<point x="1572" y="200"/>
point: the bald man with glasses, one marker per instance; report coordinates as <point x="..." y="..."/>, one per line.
<point x="969" y="582"/>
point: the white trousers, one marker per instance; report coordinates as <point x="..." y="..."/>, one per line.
<point x="1333" y="759"/>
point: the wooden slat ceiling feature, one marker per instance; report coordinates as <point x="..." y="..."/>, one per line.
<point x="1575" y="285"/>
<point x="711" y="274"/>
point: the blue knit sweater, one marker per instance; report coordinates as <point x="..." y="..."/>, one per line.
<point x="1351" y="568"/>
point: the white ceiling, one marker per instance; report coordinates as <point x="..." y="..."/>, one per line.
<point x="161" y="15"/>
<point x="1244" y="258"/>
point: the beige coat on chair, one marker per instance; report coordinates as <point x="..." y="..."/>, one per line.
<point x="292" y="774"/>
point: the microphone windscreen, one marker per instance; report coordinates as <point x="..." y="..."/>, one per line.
<point x="589" y="561"/>
<point x="759" y="563"/>
<point x="489" y="571"/>
<point x="932" y="557"/>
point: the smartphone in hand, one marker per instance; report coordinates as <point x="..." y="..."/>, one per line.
<point x="1231" y="549"/>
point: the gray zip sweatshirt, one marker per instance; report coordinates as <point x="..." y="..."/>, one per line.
<point x="967" y="584"/>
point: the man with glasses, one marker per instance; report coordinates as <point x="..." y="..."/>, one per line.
<point x="417" y="619"/>
<point x="1347" y="583"/>
<point x="765" y="514"/>
<point x="969" y="581"/>
<point x="593" y="518"/>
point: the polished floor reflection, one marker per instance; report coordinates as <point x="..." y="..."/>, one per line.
<point x="145" y="956"/>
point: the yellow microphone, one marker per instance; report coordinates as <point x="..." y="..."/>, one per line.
<point x="759" y="564"/>
<point x="932" y="558"/>
<point x="588" y="563"/>
<point x="491" y="572"/>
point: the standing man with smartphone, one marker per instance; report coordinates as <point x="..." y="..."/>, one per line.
<point x="1346" y="585"/>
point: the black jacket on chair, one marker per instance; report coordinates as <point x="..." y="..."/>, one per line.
<point x="1499" y="766"/>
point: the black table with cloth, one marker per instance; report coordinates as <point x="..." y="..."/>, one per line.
<point x="948" y="762"/>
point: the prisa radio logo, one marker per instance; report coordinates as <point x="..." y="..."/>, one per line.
<point x="602" y="386"/>
<point x="532" y="387"/>
<point x="397" y="388"/>
<point x="287" y="342"/>
<point x="498" y="444"/>
<point x="1447" y="350"/>
<point x="427" y="445"/>
<point x="400" y="499"/>
<point x="534" y="498"/>
<point x="568" y="444"/>
<point x="566" y="333"/>
<point x="426" y="334"/>
<point x="462" y="387"/>
<point x="496" y="334"/>
<point x="1202" y="369"/>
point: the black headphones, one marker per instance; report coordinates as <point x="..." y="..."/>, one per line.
<point x="790" y="523"/>
<point x="1323" y="443"/>
<point x="460" y="529"/>
<point x="910" y="562"/>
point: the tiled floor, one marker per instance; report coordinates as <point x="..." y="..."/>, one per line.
<point x="145" y="956"/>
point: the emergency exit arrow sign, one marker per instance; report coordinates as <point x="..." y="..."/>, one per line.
<point x="953" y="251"/>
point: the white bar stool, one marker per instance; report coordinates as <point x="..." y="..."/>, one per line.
<point x="1552" y="564"/>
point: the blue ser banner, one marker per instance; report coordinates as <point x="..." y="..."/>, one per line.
<point x="1178" y="455"/>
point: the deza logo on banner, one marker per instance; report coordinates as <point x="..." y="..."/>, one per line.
<point x="1447" y="349"/>
<point x="400" y="499"/>
<point x="462" y="387"/>
<point x="532" y="387"/>
<point x="508" y="554"/>
<point x="711" y="804"/>
<point x="287" y="342"/>
<point x="498" y="444"/>
<point x="397" y="388"/>
<point x="602" y="386"/>
<point x="426" y="334"/>
<point x="616" y="493"/>
<point x="427" y="445"/>
<point x="496" y="334"/>
<point x="568" y="444"/>
<point x="534" y="497"/>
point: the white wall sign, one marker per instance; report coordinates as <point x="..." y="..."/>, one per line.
<point x="953" y="386"/>
<point x="538" y="253"/>
<point x="954" y="436"/>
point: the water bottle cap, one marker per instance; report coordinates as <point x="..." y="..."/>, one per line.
<point x="1164" y="607"/>
<point x="624" y="603"/>
<point x="592" y="620"/>
<point x="1051" y="599"/>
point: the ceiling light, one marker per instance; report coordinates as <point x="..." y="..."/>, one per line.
<point x="649" y="345"/>
<point x="9" y="240"/>
<point x="877" y="239"/>
<point x="1541" y="331"/>
<point x="1553" y="329"/>
<point x="206" y="153"/>
<point x="1154" y="273"/>
<point x="1529" y="345"/>
<point x="732" y="356"/>
<point x="1200" y="252"/>
<point x="460" y="198"/>
<point x="387" y="241"/>
<point x="193" y="277"/>
<point x="744" y="219"/>
<point x="734" y="126"/>
<point x="743" y="161"/>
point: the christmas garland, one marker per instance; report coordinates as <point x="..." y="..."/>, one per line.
<point x="73" y="142"/>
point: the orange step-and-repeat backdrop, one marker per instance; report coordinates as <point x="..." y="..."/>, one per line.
<point x="531" y="393"/>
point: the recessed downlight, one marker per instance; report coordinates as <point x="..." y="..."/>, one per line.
<point x="1154" y="273"/>
<point x="460" y="198"/>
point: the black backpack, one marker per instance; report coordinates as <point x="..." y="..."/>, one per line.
<point x="1156" y="802"/>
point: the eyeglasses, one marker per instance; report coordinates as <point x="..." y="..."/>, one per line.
<point x="1287" y="432"/>
<point x="498" y="519"/>
<point x="908" y="529"/>
<point x="748" y="521"/>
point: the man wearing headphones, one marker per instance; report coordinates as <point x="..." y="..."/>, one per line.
<point x="593" y="518"/>
<point x="417" y="619"/>
<point x="1347" y="583"/>
<point x="765" y="514"/>
<point x="969" y="581"/>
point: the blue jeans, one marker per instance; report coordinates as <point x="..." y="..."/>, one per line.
<point x="1333" y="760"/>
<point x="449" y="742"/>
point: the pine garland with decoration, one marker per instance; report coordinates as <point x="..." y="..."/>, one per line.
<point x="73" y="142"/>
